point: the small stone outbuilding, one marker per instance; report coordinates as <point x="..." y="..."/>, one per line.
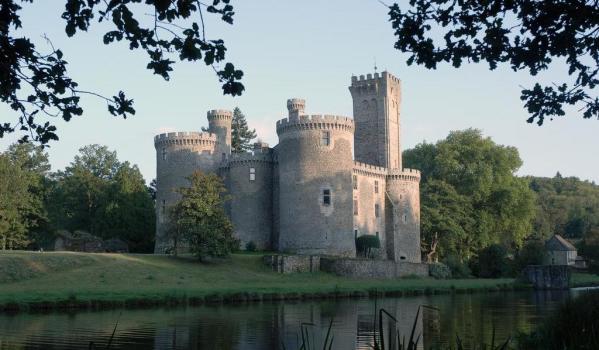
<point x="78" y="241"/>
<point x="560" y="251"/>
<point x="81" y="241"/>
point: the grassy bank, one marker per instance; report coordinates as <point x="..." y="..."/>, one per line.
<point x="62" y="280"/>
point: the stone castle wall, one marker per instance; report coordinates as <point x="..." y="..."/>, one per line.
<point x="403" y="226"/>
<point x="547" y="276"/>
<point x="219" y="123"/>
<point x="249" y="180"/>
<point x="308" y="166"/>
<point x="376" y="102"/>
<point x="178" y="155"/>
<point x="368" y="268"/>
<point x="299" y="196"/>
<point x="293" y="263"/>
<point x="368" y="194"/>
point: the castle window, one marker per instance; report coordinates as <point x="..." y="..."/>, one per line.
<point x="252" y="174"/>
<point x="376" y="186"/>
<point x="326" y="138"/>
<point x="355" y="207"/>
<point x="164" y="154"/>
<point x="326" y="197"/>
<point x="377" y="234"/>
<point x="355" y="233"/>
<point x="163" y="207"/>
<point x="376" y="210"/>
<point x="355" y="179"/>
<point x="405" y="218"/>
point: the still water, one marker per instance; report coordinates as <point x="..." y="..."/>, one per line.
<point x="269" y="325"/>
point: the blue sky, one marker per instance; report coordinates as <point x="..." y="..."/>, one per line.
<point x="305" y="49"/>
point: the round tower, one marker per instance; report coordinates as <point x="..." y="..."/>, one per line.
<point x="249" y="180"/>
<point x="403" y="219"/>
<point x="315" y="184"/>
<point x="296" y="107"/>
<point x="178" y="155"/>
<point x="219" y="123"/>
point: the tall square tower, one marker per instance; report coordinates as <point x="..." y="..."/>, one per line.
<point x="376" y="116"/>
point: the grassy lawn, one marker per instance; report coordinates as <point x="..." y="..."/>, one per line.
<point x="584" y="280"/>
<point x="28" y="277"/>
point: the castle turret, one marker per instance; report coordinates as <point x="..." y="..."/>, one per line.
<point x="219" y="123"/>
<point x="403" y="218"/>
<point x="296" y="107"/>
<point x="249" y="180"/>
<point x="178" y="155"/>
<point x="376" y="102"/>
<point x="315" y="184"/>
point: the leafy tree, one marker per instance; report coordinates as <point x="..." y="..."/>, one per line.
<point x="82" y="189"/>
<point x="199" y="218"/>
<point x="527" y="35"/>
<point x="446" y="219"/>
<point x="22" y="171"/>
<point x="13" y="199"/>
<point x="589" y="249"/>
<point x="532" y="253"/>
<point x="492" y="262"/>
<point x="128" y="213"/>
<point x="566" y="205"/>
<point x="36" y="85"/>
<point x="99" y="194"/>
<point x="241" y="135"/>
<point x="367" y="244"/>
<point x="471" y="197"/>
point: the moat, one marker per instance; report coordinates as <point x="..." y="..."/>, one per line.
<point x="268" y="325"/>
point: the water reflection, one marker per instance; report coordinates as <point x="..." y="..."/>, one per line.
<point x="269" y="325"/>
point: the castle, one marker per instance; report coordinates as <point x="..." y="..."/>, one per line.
<point x="308" y="194"/>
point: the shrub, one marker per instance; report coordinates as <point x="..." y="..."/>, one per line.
<point x="439" y="271"/>
<point x="589" y="249"/>
<point x="200" y="220"/>
<point x="366" y="245"/>
<point x="250" y="246"/>
<point x="458" y="268"/>
<point x="532" y="253"/>
<point x="493" y="262"/>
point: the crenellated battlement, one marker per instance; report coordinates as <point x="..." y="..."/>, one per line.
<point x="246" y="158"/>
<point x="405" y="174"/>
<point x="296" y="106"/>
<point x="315" y="121"/>
<point x="219" y="114"/>
<point x="185" y="138"/>
<point x="370" y="83"/>
<point x="370" y="78"/>
<point x="369" y="170"/>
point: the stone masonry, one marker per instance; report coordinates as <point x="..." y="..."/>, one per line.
<point x="307" y="195"/>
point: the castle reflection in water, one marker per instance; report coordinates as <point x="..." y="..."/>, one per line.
<point x="270" y="325"/>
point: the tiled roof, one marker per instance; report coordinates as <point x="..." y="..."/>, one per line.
<point x="558" y="242"/>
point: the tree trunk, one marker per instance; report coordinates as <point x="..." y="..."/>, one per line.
<point x="431" y="255"/>
<point x="176" y="244"/>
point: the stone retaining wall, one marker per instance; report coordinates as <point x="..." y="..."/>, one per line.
<point x="293" y="263"/>
<point x="547" y="276"/>
<point x="365" y="268"/>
